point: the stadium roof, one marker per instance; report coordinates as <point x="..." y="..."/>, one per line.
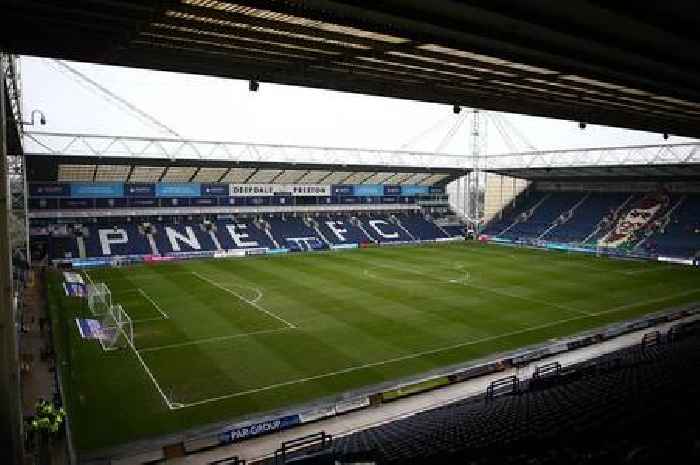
<point x="648" y="162"/>
<point x="623" y="64"/>
<point x="660" y="173"/>
<point x="74" y="157"/>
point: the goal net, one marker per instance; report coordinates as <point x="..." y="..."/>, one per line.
<point x="117" y="329"/>
<point x="99" y="298"/>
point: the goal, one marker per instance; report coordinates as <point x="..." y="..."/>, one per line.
<point x="117" y="328"/>
<point x="99" y="298"/>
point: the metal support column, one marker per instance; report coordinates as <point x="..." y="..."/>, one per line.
<point x="10" y="397"/>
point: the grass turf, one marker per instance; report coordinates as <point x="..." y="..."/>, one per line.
<point x="251" y="335"/>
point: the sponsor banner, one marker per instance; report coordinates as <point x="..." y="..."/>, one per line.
<point x="76" y="204"/>
<point x="349" y="199"/>
<point x="615" y="330"/>
<point x="526" y="357"/>
<point x="256" y="429"/>
<point x="344" y="246"/>
<point x="269" y="190"/>
<point x="230" y="253"/>
<point x="342" y="189"/>
<point x="49" y="190"/>
<point x="260" y="251"/>
<point x="415" y="388"/>
<point x="476" y="371"/>
<point x="276" y="251"/>
<point x="392" y="190"/>
<point x="448" y="239"/>
<point x="386" y="199"/>
<point x="351" y="404"/>
<point x="93" y="262"/>
<point x="73" y="277"/>
<point x="368" y="190"/>
<point x="398" y="243"/>
<point x="500" y="240"/>
<point x="178" y="189"/>
<point x="110" y="203"/>
<point x="74" y="289"/>
<point x="436" y="190"/>
<point x="413" y="190"/>
<point x="579" y="343"/>
<point x="680" y="261"/>
<point x="89" y="328"/>
<point x="215" y="190"/>
<point x="203" y="202"/>
<point x="158" y="258"/>
<point x="140" y="190"/>
<point x="251" y="190"/>
<point x="96" y="189"/>
<point x="405" y="199"/>
<point x="308" y="190"/>
<point x="558" y="348"/>
<point x="317" y="413"/>
<point x="143" y="202"/>
<point x="43" y="204"/>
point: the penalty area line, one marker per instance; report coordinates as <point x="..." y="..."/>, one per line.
<point x="252" y="303"/>
<point x="153" y="302"/>
<point x="214" y="339"/>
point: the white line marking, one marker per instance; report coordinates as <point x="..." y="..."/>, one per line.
<point x="153" y="302"/>
<point x="488" y="289"/>
<point x="143" y="364"/>
<point x="214" y="339"/>
<point x="146" y="320"/>
<point x="153" y="378"/>
<point x="427" y="352"/>
<point x="249" y="302"/>
<point x="259" y="297"/>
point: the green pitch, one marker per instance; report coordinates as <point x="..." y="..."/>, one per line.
<point x="220" y="339"/>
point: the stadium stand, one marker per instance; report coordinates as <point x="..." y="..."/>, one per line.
<point x="173" y="235"/>
<point x="658" y="223"/>
<point x="635" y="405"/>
<point x="339" y="229"/>
<point x="578" y="226"/>
<point x="545" y="214"/>
<point x="679" y="233"/>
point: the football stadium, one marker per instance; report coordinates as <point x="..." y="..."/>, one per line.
<point x="175" y="300"/>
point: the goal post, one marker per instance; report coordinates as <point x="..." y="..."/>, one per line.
<point x="117" y="329"/>
<point x="99" y="298"/>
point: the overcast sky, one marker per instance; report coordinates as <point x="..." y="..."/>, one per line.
<point x="207" y="108"/>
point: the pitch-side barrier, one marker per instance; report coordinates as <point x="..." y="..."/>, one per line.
<point x="612" y="252"/>
<point x="213" y="436"/>
<point x="124" y="260"/>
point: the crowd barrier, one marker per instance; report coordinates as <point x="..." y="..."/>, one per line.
<point x="326" y="409"/>
<point x="121" y="260"/>
<point x="587" y="249"/>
